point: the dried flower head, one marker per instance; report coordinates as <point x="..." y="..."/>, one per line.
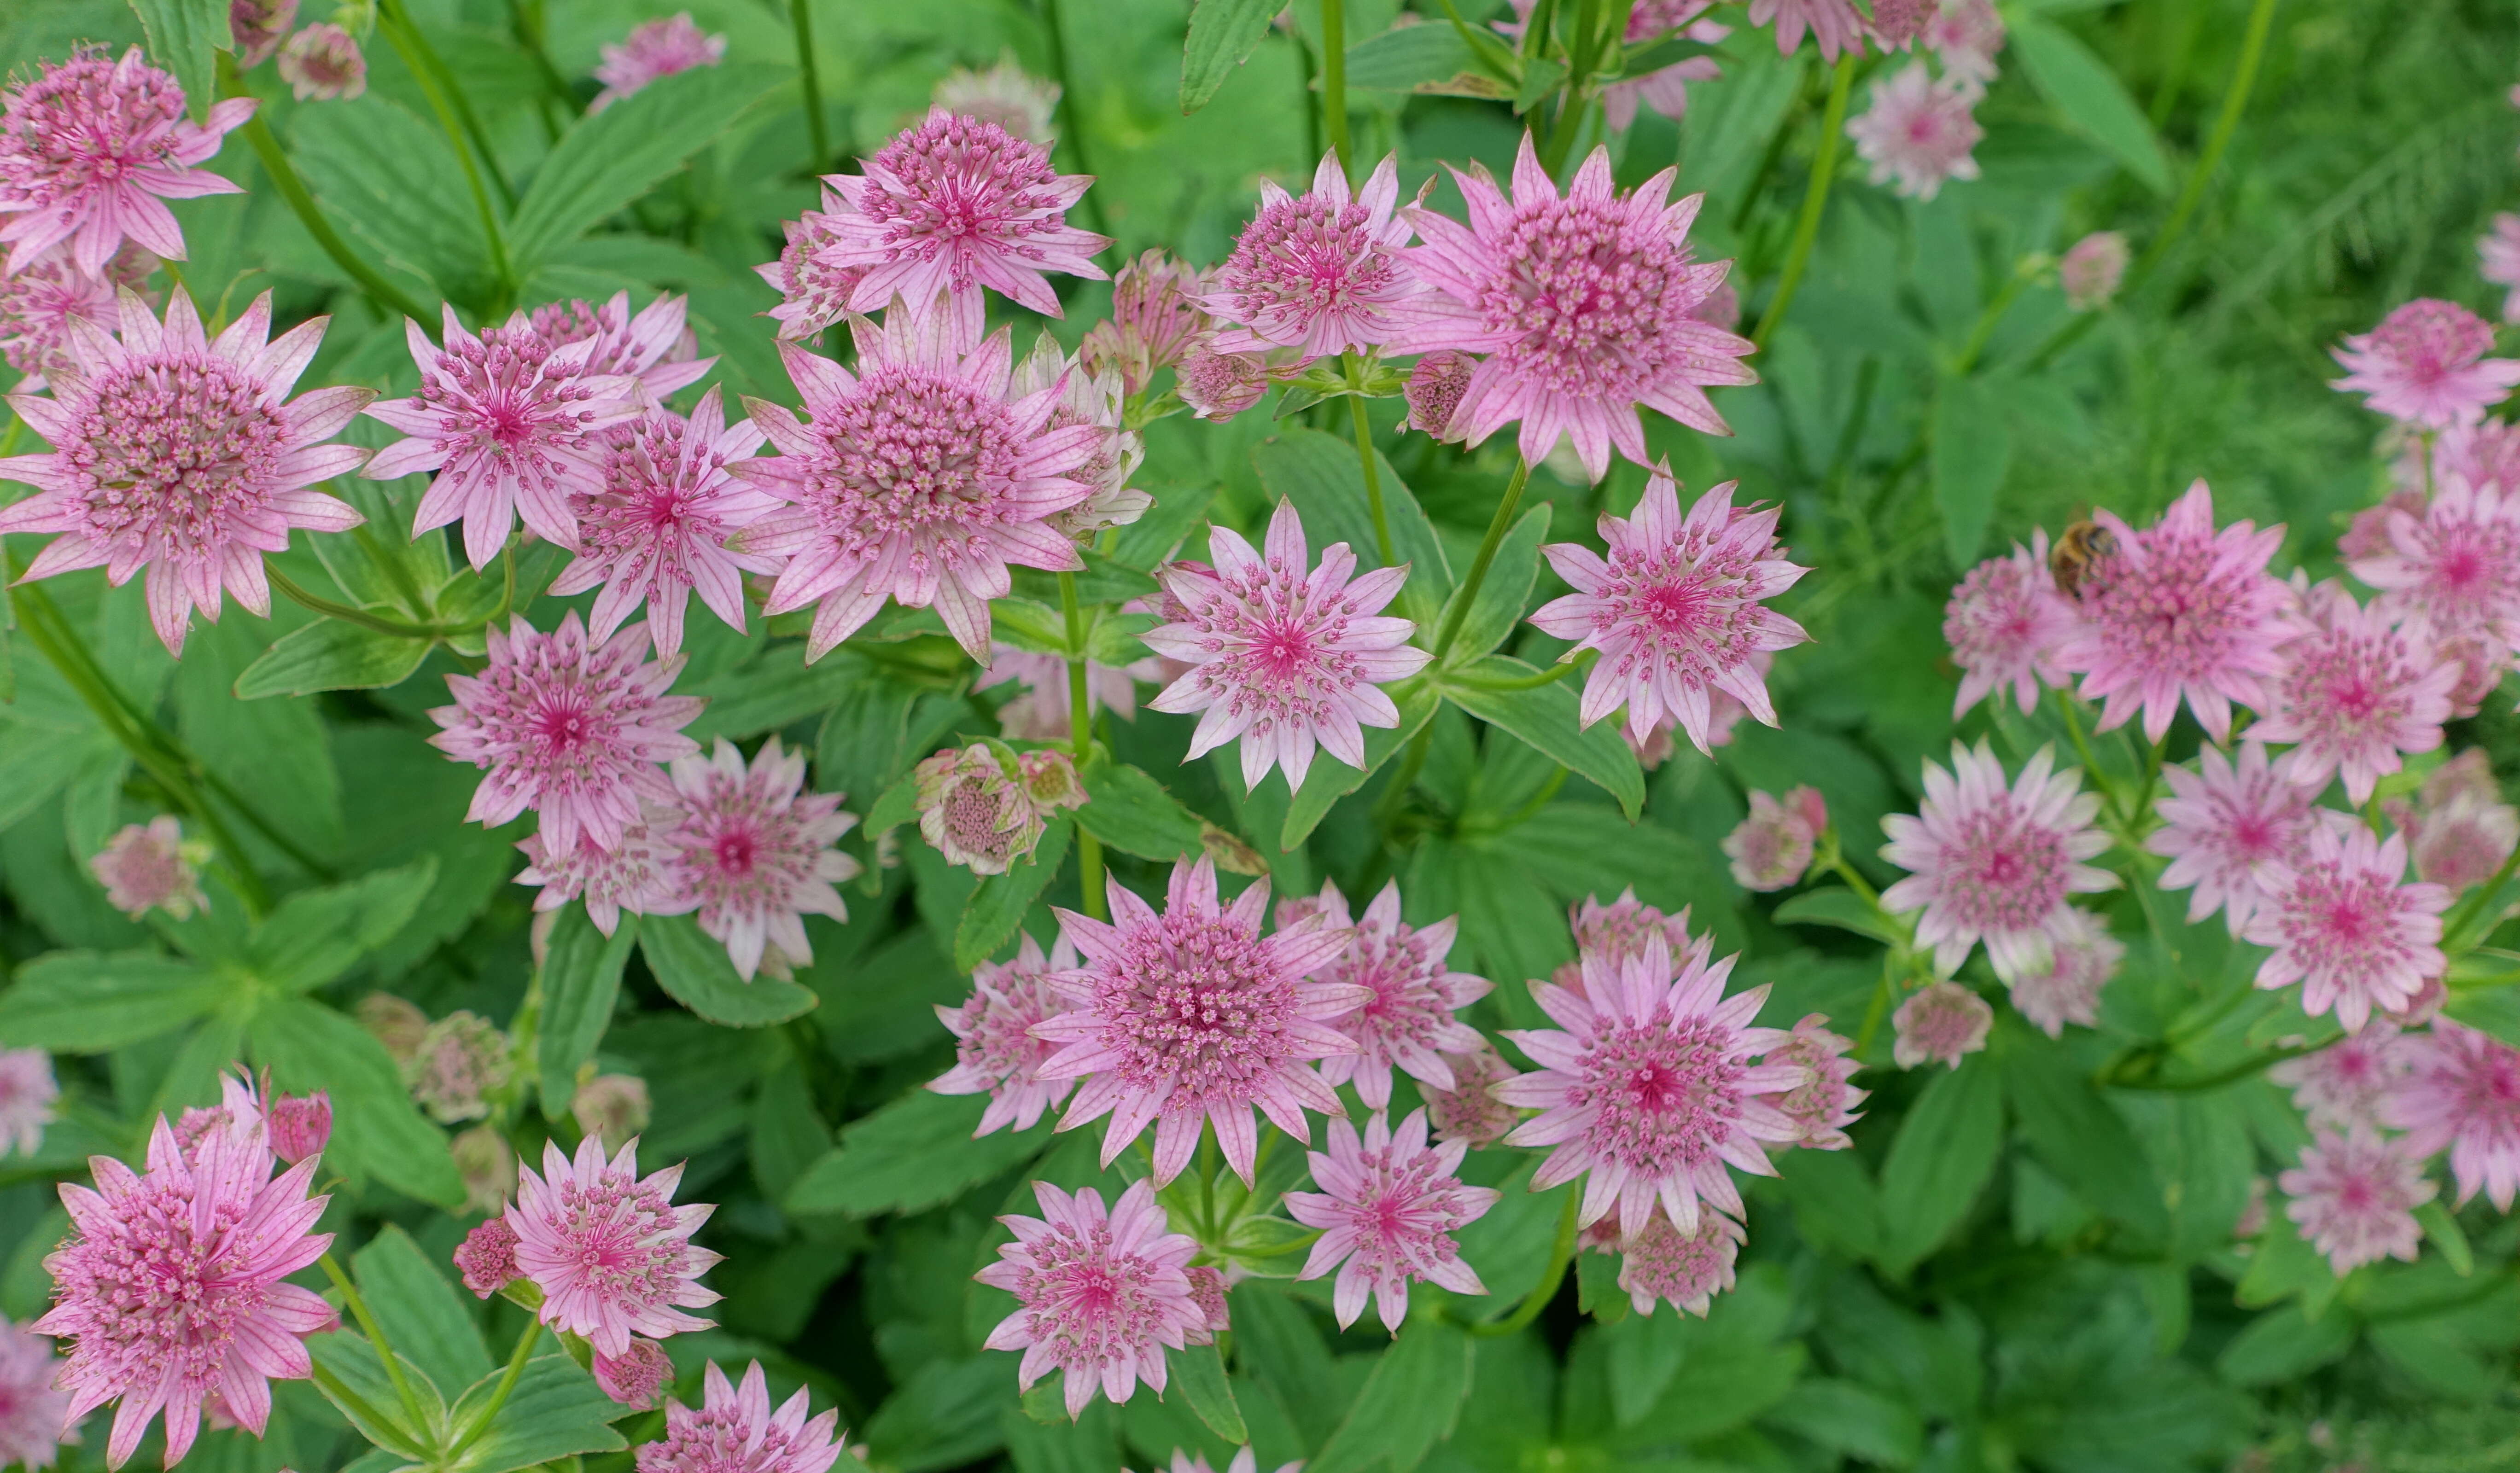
<point x="462" y="1060"/>
<point x="974" y="811"/>
<point x="486" y="1165"/>
<point x="395" y="1022"/>
<point x="1772" y="847"/>
<point x="612" y="1108"/>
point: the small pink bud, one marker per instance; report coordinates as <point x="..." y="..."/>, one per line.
<point x="1811" y="807"/>
<point x="1940" y="1024"/>
<point x="1773" y="847"/>
<point x="1216" y="387"/>
<point x="637" y="1377"/>
<point x="300" y="1125"/>
<point x="2092" y="270"/>
<point x="1207" y="1288"/>
<point x="487" y="1257"/>
<point x="1436" y="388"/>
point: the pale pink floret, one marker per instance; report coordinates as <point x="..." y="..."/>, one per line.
<point x="90" y="150"/>
<point x="1284" y="656"/>
<point x="1104" y="1295"/>
<point x="658" y="48"/>
<point x="1995" y="863"/>
<point x="656" y="346"/>
<point x="2092" y="269"/>
<point x="811" y="295"/>
<point x="636" y="874"/>
<point x="1470" y="1111"/>
<point x="1823" y="1105"/>
<point x="28" y="1091"/>
<point x="2451" y="566"/>
<point x="170" y="1286"/>
<point x="35" y="1413"/>
<point x="1647" y="1088"/>
<point x="2462" y="1096"/>
<point x="1584" y="306"/>
<point x="2355" y="1195"/>
<point x="568" y="727"/>
<point x="1387" y="1209"/>
<point x="2179" y="612"/>
<point x="2068" y="989"/>
<point x="1835" y="25"/>
<point x="2497" y="260"/>
<point x="1684" y="1269"/>
<point x="1918" y="133"/>
<point x="1943" y="1023"/>
<point x="995" y="1051"/>
<point x="1006" y="94"/>
<point x="1676" y="609"/>
<point x="323" y="63"/>
<point x="754" y="854"/>
<point x="2345" y="925"/>
<point x="2342" y="1085"/>
<point x="1408" y="1021"/>
<point x="511" y="425"/>
<point x="1620" y="931"/>
<point x="1192" y="1017"/>
<point x="2004" y="623"/>
<point x="1964" y="37"/>
<point x="2228" y="829"/>
<point x="1666" y="89"/>
<point x="40" y="300"/>
<point x="151" y="868"/>
<point x="1772" y="847"/>
<point x="919" y="479"/>
<point x="2425" y="365"/>
<point x="2355" y="691"/>
<point x="1319" y="273"/>
<point x="733" y="1430"/>
<point x="609" y="1250"/>
<point x="182" y="453"/>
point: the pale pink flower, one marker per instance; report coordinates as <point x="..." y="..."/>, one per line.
<point x="2425" y="365"/>
<point x="1408" y="1021"/>
<point x="1619" y="931"/>
<point x="1283" y="659"/>
<point x="35" y="1413"/>
<point x="1965" y="35"/>
<point x="995" y="1049"/>
<point x="2451" y="566"/>
<point x="1835" y="25"/>
<point x="638" y="1378"/>
<point x="1190" y="1017"/>
<point x="1216" y="386"/>
<point x="2486" y="453"/>
<point x="1582" y="305"/>
<point x="1646" y="1087"/>
<point x="973" y="810"/>
<point x="1387" y="1209"/>
<point x="28" y="1091"/>
<point x="614" y="1108"/>
<point x="658" y="48"/>
<point x="323" y="63"/>
<point x="2462" y="1096"/>
<point x="655" y="347"/>
<point x="1772" y="847"/>
<point x="1095" y="398"/>
<point x="812" y="295"/>
<point x="2462" y="839"/>
<point x="1918" y="133"/>
<point x="1687" y="1270"/>
<point x="510" y="423"/>
<point x="1823" y="1105"/>
<point x="90" y="150"/>
<point x="609" y="1248"/>
<point x="2497" y="260"/>
<point x="736" y="1431"/>
<point x="151" y="868"/>
<point x="756" y="856"/>
<point x="2179" y="612"/>
<point x="1319" y="273"/>
<point x="2367" y="534"/>
<point x="462" y="1059"/>
<point x="40" y="300"/>
<point x="2005" y="622"/>
<point x="2084" y="957"/>
<point x="920" y="477"/>
<point x="2347" y="927"/>
<point x="2228" y="829"/>
<point x="1470" y="1111"/>
<point x="568" y="727"/>
<point x="2355" y="1197"/>
<point x="1042" y="712"/>
<point x="183" y="455"/>
<point x="2341" y="1085"/>
<point x="1676" y="609"/>
<point x="300" y="1125"/>
<point x="1895" y="23"/>
<point x="1666" y="89"/>
<point x="1941" y="1024"/>
<point x="2354" y="690"/>
<point x="1436" y="388"/>
<point x="1154" y="319"/>
<point x="1006" y="94"/>
<point x="1102" y="1295"/>
<point x="171" y="1286"/>
<point x="257" y="28"/>
<point x="2092" y="268"/>
<point x="636" y="874"/>
<point x="1995" y="863"/>
<point x="487" y="1256"/>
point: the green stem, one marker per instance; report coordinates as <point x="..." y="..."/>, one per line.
<point x="1987" y="320"/>
<point x="525" y="19"/>
<point x="2091" y="764"/>
<point x="1832" y="124"/>
<point x="1548" y="676"/>
<point x="1561" y="1252"/>
<point x="1080" y="738"/>
<point x="2256" y="1063"/>
<point x="1070" y="131"/>
<point x="818" y="136"/>
<point x="359" y="1307"/>
<point x="1874" y="1013"/>
<point x="450" y="109"/>
<point x="499" y="1397"/>
<point x="1366" y="459"/>
<point x="1334" y="91"/>
<point x="1479" y="566"/>
<point x="292" y="189"/>
<point x="1574" y="95"/>
<point x="335" y="1387"/>
<point x="464" y="117"/>
<point x="289" y="590"/>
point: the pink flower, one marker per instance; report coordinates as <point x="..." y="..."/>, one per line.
<point x="182" y="455"/>
<point x="40" y="300"/>
<point x="1006" y="94"/>
<point x="570" y="727"/>
<point x="2355" y="1197"/>
<point x="1470" y="1111"/>
<point x="995" y="1049"/>
<point x="1941" y="1023"/>
<point x="1216" y="386"/>
<point x="974" y="809"/>
<point x="1895" y="23"/>
<point x="1772" y="848"/>
<point x="2179" y="612"/>
<point x="487" y="1257"/>
<point x="170" y="1286"/>
<point x="89" y="148"/>
<point x="2004" y="623"/>
<point x="920" y="478"/>
<point x="2354" y="690"/>
<point x="2342" y="1085"/>
<point x="2084" y="957"/>
<point x="1104" y="1295"/>
<point x="35" y="1413"/>
<point x="1435" y="390"/>
<point x="1684" y="1269"/>
<point x="1835" y="25"/>
<point x="812" y="296"/>
<point x="257" y="28"/>
<point x="2345" y="926"/>
<point x="323" y="63"/>
<point x="2228" y="829"/>
<point x="1665" y="90"/>
<point x="1408" y="1020"/>
<point x="2425" y="365"/>
<point x="300" y="1125"/>
<point x="656" y="347"/>
<point x="1041" y="713"/>
<point x="1917" y="132"/>
<point x="510" y="423"/>
<point x="2451" y="566"/>
<point x="2497" y="256"/>
<point x="636" y="874"/>
<point x="1582" y="304"/>
<point x="658" y="48"/>
<point x="1620" y="931"/>
<point x="756" y="855"/>
<point x="2459" y="830"/>
<point x="2486" y="453"/>
<point x="1676" y="609"/>
<point x="609" y="1248"/>
<point x="2366" y="536"/>
<point x="1387" y="1209"/>
<point x="1992" y="864"/>
<point x="638" y="1378"/>
<point x="735" y="1431"/>
<point x="151" y="868"/>
<point x="1154" y="319"/>
<point x="1190" y="1016"/>
<point x="1282" y="659"/>
<point x="28" y="1091"/>
<point x="460" y="1060"/>
<point x="1648" y="1085"/>
<point x="1321" y="273"/>
<point x="1823" y="1105"/>
<point x="1092" y="397"/>
<point x="2092" y="269"/>
<point x="2462" y="1097"/>
<point x="1965" y="35"/>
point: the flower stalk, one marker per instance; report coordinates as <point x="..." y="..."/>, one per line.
<point x="1833" y="129"/>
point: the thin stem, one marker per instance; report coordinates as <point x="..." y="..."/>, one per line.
<point x="1070" y="131"/>
<point x="283" y="177"/>
<point x="1488" y="545"/>
<point x="1987" y="320"/>
<point x="525" y="19"/>
<point x="499" y="1397"/>
<point x="471" y="122"/>
<point x="289" y="590"/>
<point x="335" y="1388"/>
<point x="1548" y="676"/>
<point x="417" y="57"/>
<point x="1366" y="459"/>
<point x="818" y="137"/>
<point x="2082" y="749"/>
<point x="1575" y="96"/>
<point x="359" y="1307"/>
<point x="1334" y="93"/>
<point x="1080" y="735"/>
<point x="1873" y="1014"/>
<point x="1561" y="1252"/>
<point x="1832" y="123"/>
<point x="2254" y="1064"/>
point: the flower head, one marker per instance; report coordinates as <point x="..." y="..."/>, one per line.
<point x="755" y="854"/>
<point x="2497" y="260"/>
<point x="1387" y="1209"/>
<point x="395" y="1022"/>
<point x="2092" y="268"/>
<point x="1216" y="386"/>
<point x="300" y="1125"/>
<point x="1835" y="25"/>
<point x="995" y="1049"/>
<point x="1619" y="933"/>
<point x="656" y="346"/>
<point x="1154" y="319"/>
<point x="736" y="1431"/>
<point x="151" y="868"/>
<point x="2459" y="830"/>
<point x="1995" y="863"/>
<point x="1918" y="133"/>
<point x="487" y="1257"/>
<point x="1941" y="1023"/>
<point x="636" y="1379"/>
<point x="257" y="28"/>
<point x="2463" y="1094"/>
<point x="323" y="63"/>
<point x="658" y="48"/>
<point x="609" y="1248"/>
<point x="614" y="1108"/>
<point x="1006" y="94"/>
<point x="2006" y="622"/>
<point x="1436" y="388"/>
<point x="1102" y="1294"/>
<point x="34" y="1412"/>
<point x="1685" y="1270"/>
<point x="1091" y="396"/>
<point x="2228" y="829"/>
<point x="1823" y="1105"/>
<point x="2084" y="957"/>
<point x="1319" y="273"/>
<point x="2425" y="365"/>
<point x="2355" y="691"/>
<point x="40" y="300"/>
<point x="1772" y="848"/>
<point x="1965" y="35"/>
<point x="2342" y="1085"/>
<point x="462" y="1059"/>
<point x="636" y="874"/>
<point x="28" y="1091"/>
<point x="2345" y="925"/>
<point x="90" y="150"/>
<point x="973" y="810"/>
<point x="2450" y="566"/>
<point x="182" y="453"/>
<point x="1470" y="1111"/>
<point x="812" y="293"/>
<point x="1407" y="1021"/>
<point x="2355" y="1197"/>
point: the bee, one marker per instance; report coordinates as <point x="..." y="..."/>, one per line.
<point x="2079" y="546"/>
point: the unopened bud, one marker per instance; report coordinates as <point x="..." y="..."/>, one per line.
<point x="487" y="1167"/>
<point x="487" y="1257"/>
<point x="1436" y="388"/>
<point x="613" y="1107"/>
<point x="300" y="1125"/>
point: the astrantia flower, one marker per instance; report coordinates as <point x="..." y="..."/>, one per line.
<point x="151" y="868"/>
<point x="2425" y="365"/>
<point x="323" y="63"/>
<point x="1470" y="1111"/>
<point x="1995" y="863"/>
<point x="1665" y="89"/>
<point x="2355" y="1197"/>
<point x="170" y="1286"/>
<point x="2084" y="957"/>
<point x="1835" y="25"/>
<point x="487" y="1167"/>
<point x="1092" y="397"/>
<point x="658" y="48"/>
<point x="1319" y="273"/>
<point x="1283" y="658"/>
<point x="656" y="346"/>
<point x="2345" y="925"/>
<point x="40" y="300"/>
<point x="1772" y="847"/>
<point x="1154" y="319"/>
<point x="35" y="1413"/>
<point x="613" y="1109"/>
<point x="1006" y="94"/>
<point x="636" y="1379"/>
<point x="812" y="295"/>
<point x="487" y="1256"/>
<point x="636" y="874"/>
<point x="1823" y="1105"/>
<point x="973" y="810"/>
<point x="183" y="455"/>
<point x="2486" y="453"/>
<point x="300" y="1125"/>
<point x="1964" y="37"/>
<point x="1104" y="1295"/>
<point x="609" y="1248"/>
<point x="1216" y="386"/>
<point x="920" y="477"/>
<point x="2179" y="612"/>
<point x="2497" y="260"/>
<point x="1685" y="1269"/>
<point x="1582" y="306"/>
<point x="2451" y="566"/>
<point x="2462" y="1096"/>
<point x="1677" y="609"/>
<point x="1042" y="712"/>
<point x="1895" y="23"/>
<point x="1646" y="1087"/>
<point x="2355" y="691"/>
<point x="1619" y="931"/>
<point x="257" y="28"/>
<point x="735" y="1431"/>
<point x="755" y="854"/>
<point x="1190" y="1016"/>
<point x="2092" y="268"/>
<point x="91" y="148"/>
<point x="568" y="727"/>
<point x="1941" y="1024"/>
<point x="460" y="1060"/>
<point x="2458" y="830"/>
<point x="1407" y="1022"/>
<point x="2342" y="1085"/>
<point x="28" y="1091"/>
<point x="510" y="423"/>
<point x="1917" y="132"/>
<point x="1387" y="1209"/>
<point x="1436" y="388"/>
<point x="995" y="1049"/>
<point x="2228" y="829"/>
<point x="2004" y="623"/>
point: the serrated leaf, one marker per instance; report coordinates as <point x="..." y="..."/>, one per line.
<point x="1973" y="451"/>
<point x="581" y="984"/>
<point x="1134" y="814"/>
<point x="317" y="935"/>
<point x="330" y="654"/>
<point x="1331" y="779"/>
<point x="912" y="1154"/>
<point x="1200" y="1373"/>
<point x="1408" y="58"/>
<point x="696" y="972"/>
<point x="93" y="1002"/>
<point x="557" y="1411"/>
<point x="421" y="1313"/>
<point x="609" y="158"/>
<point x="1839" y="907"/>
<point x="2081" y="86"/>
<point x="184" y="36"/>
<point x="1409" y="1404"/>
<point x="1546" y="719"/>
<point x="1222" y="36"/>
<point x="374" y="165"/>
<point x="999" y="906"/>
<point x="1940" y="1160"/>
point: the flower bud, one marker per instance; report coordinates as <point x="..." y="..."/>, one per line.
<point x="1207" y="1288"/>
<point x="1943" y="1022"/>
<point x="487" y="1258"/>
<point x="613" y="1107"/>
<point x="637" y="1377"/>
<point x="300" y="1125"/>
<point x="1436" y="388"/>
<point x="1773" y="847"/>
<point x="395" y="1022"/>
<point x="1469" y="1110"/>
<point x="1155" y="318"/>
<point x="973" y="813"/>
<point x="2092" y="269"/>
<point x="462" y="1060"/>
<point x="1216" y="387"/>
<point x="1006" y="94"/>
<point x="1050" y="781"/>
<point x="323" y="63"/>
<point x="257" y="28"/>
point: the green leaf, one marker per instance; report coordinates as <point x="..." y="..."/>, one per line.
<point x="772" y="692"/>
<point x="1853" y="1419"/>
<point x="2081" y="86"/>
<point x="1839" y="907"/>
<point x="999" y="906"/>
<point x="1598" y="1294"/>
<point x="1508" y="589"/>
<point x="317" y="935"/>
<point x="1835" y="1204"/>
<point x="2075" y="1133"/>
<point x="696" y="970"/>
<point x="557" y="1411"/>
<point x="90" y="1003"/>
<point x="1545" y="717"/>
<point x="420" y="1312"/>
<point x="1319" y="473"/>
<point x="1133" y="813"/>
<point x="581" y="984"/>
<point x="2447" y="1236"/>
<point x="184" y="36"/>
<point x="1222" y="36"/>
<point x="912" y="1154"/>
<point x="1408" y="58"/>
<point x="1939" y="1161"/>
<point x="1973" y="451"/>
<point x="2284" y="1345"/>
<point x="376" y="1130"/>
<point x="331" y="656"/>
<point x="374" y="165"/>
<point x="609" y="158"/>
<point x="1331" y="779"/>
<point x="1199" y="1371"/>
<point x="2280" y="1266"/>
<point x="354" y="1381"/>
<point x="1408" y="1404"/>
